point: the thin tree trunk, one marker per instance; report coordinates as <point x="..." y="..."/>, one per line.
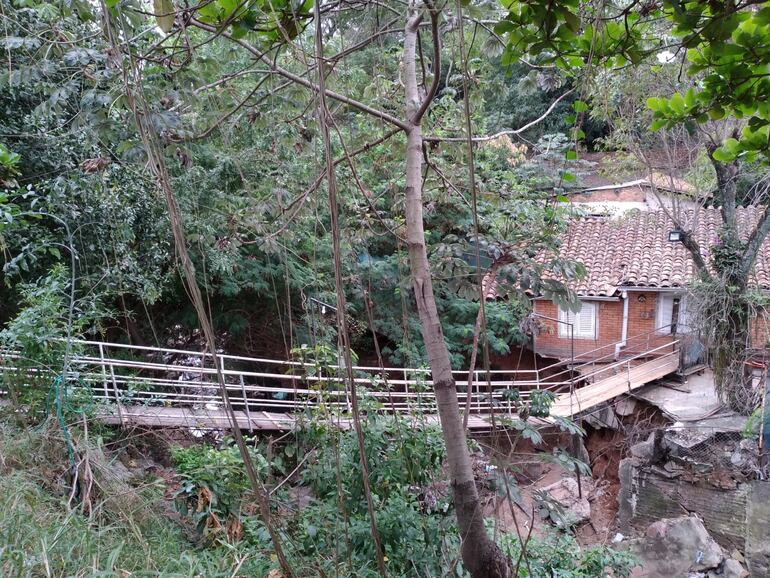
<point x="733" y="380"/>
<point x="158" y="169"/>
<point x="344" y="333"/>
<point x="481" y="555"/>
<point x="732" y="319"/>
<point x="491" y="277"/>
<point x="727" y="174"/>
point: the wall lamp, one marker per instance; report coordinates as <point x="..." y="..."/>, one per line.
<point x="676" y="236"/>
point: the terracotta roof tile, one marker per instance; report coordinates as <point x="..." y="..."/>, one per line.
<point x="634" y="250"/>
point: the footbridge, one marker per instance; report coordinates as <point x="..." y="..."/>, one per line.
<point x="156" y="386"/>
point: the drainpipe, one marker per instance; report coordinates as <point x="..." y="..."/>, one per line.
<point x="624" y="327"/>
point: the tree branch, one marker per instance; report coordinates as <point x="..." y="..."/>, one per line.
<point x="754" y="243"/>
<point x="517" y="131"/>
<point x="694" y="248"/>
<point x="133" y="91"/>
<point x="230" y="112"/>
<point x="275" y="69"/>
<point x="726" y="174"/>
<point x="300" y="201"/>
<point x="435" y="65"/>
<point x="387" y="29"/>
<point x="342" y="319"/>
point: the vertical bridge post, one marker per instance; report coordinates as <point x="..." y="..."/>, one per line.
<point x="114" y="380"/>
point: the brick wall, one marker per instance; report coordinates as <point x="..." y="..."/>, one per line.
<point x="642" y="309"/>
<point x="609" y="326"/>
<point x="760" y="331"/>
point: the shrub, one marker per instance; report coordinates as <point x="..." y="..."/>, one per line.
<point x="560" y="555"/>
<point x="214" y="482"/>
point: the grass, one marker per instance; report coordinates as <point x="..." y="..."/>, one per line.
<point x="124" y="533"/>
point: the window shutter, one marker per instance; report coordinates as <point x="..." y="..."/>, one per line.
<point x="586" y="322"/>
<point x="685" y="320"/>
<point x="665" y="313"/>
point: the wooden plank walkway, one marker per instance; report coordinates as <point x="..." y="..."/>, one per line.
<point x="164" y="387"/>
<point x="263" y="421"/>
<point x="610" y="387"/>
<point x="565" y="405"/>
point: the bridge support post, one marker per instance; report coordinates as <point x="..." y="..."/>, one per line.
<point x="628" y="374"/>
<point x="245" y="401"/>
<point x="104" y="372"/>
<point x="114" y="384"/>
<point x="406" y="391"/>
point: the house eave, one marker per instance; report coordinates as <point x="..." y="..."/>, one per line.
<point x="651" y="289"/>
<point x="585" y="298"/>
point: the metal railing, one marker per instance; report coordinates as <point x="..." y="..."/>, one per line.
<point x="121" y="374"/>
<point x="642" y="346"/>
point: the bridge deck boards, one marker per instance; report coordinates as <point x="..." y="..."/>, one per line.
<point x="263" y="421"/>
<point x="582" y="400"/>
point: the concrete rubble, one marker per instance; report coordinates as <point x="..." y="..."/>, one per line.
<point x="563" y="503"/>
<point x="711" y="473"/>
<point x="682" y="548"/>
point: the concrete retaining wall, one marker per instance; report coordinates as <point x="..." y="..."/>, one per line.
<point x="737" y="517"/>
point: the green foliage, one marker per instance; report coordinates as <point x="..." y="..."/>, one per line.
<point x="128" y="531"/>
<point x="76" y="199"/>
<point x="411" y="538"/>
<point x="725" y="309"/>
<point x="40" y="333"/>
<point x="213" y="483"/>
<point x="537" y="404"/>
<point x="396" y="460"/>
<point x="276" y="21"/>
<point x="9" y="162"/>
<point x="540" y="401"/>
<point x="560" y="555"/>
<point x="726" y="47"/>
<point x="320" y="360"/>
<point x="566" y="34"/>
<point x="730" y="47"/>
<point x="403" y="464"/>
<point x="327" y="531"/>
<point x="752" y="428"/>
<point x="39" y="329"/>
<point x="81" y="161"/>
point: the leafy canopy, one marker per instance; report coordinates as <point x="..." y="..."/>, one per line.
<point x="725" y="43"/>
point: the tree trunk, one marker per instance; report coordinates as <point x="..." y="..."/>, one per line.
<point x="480" y="554"/>
<point x="732" y="339"/>
<point x="729" y="309"/>
<point x="727" y="175"/>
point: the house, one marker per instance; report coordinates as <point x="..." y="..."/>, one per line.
<point x="650" y="193"/>
<point x="633" y="296"/>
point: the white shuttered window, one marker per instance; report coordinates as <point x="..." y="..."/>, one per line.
<point x="664" y="314"/>
<point x="584" y="322"/>
<point x="672" y="311"/>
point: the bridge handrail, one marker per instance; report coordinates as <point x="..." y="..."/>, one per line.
<point x="208" y="392"/>
<point x="161" y="382"/>
<point x="206" y="354"/>
<point x="170" y="368"/>
<point x="549" y="382"/>
<point x="627" y="361"/>
<point x="103" y="378"/>
<point x="612" y="354"/>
